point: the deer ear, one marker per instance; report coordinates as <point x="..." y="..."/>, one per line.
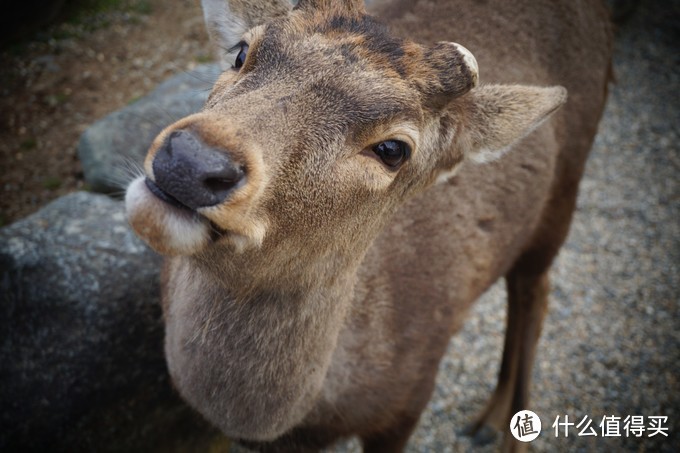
<point x="495" y="117"/>
<point x="228" y="20"/>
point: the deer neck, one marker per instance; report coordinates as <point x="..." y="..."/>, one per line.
<point x="253" y="360"/>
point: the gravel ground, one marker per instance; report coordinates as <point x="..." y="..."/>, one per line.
<point x="610" y="344"/>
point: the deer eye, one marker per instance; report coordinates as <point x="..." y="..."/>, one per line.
<point x="393" y="153"/>
<point x="241" y="57"/>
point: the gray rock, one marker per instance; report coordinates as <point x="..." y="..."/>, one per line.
<point x="112" y="148"/>
<point x="81" y="336"/>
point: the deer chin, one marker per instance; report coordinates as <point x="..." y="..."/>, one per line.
<point x="167" y="229"/>
<point x="232" y="225"/>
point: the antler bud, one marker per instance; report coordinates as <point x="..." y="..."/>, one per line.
<point x="470" y="61"/>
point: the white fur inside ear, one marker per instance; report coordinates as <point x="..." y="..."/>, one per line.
<point x="486" y="155"/>
<point x="508" y="113"/>
<point x="446" y="175"/>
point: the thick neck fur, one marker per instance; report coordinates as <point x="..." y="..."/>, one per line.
<point x="253" y="362"/>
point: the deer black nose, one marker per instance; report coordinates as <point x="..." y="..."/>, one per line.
<point x="193" y="173"/>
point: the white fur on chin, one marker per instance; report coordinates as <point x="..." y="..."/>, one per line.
<point x="167" y="230"/>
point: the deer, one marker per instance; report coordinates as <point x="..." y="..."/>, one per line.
<point x="355" y="181"/>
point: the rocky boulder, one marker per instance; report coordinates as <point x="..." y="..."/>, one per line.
<point x="81" y="337"/>
<point x="114" y="146"/>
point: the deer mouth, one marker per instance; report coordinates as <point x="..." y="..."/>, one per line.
<point x="165" y="224"/>
<point x="166" y="197"/>
<point x="216" y="232"/>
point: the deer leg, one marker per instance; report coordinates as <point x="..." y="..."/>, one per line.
<point x="527" y="303"/>
<point x="528" y="287"/>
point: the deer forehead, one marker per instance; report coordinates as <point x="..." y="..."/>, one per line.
<point x="343" y="79"/>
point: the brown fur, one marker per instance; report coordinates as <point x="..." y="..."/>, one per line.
<point x="325" y="298"/>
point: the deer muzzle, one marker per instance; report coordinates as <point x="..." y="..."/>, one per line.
<point x="190" y="173"/>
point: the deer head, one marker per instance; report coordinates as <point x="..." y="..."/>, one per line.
<point x="321" y="128"/>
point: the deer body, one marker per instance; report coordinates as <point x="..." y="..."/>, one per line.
<point x="317" y="299"/>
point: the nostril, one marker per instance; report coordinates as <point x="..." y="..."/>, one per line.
<point x="225" y="181"/>
<point x="194" y="173"/>
<point x="175" y="138"/>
